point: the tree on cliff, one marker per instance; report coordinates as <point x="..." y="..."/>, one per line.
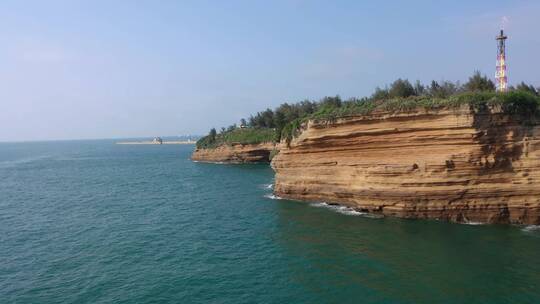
<point x="263" y="119"/>
<point x="212" y="135"/>
<point x="334" y="102"/>
<point x="419" y="88"/>
<point x="479" y="83"/>
<point x="401" y="88"/>
<point x="379" y="94"/>
<point x="280" y="121"/>
<point x="286" y="119"/>
<point x="444" y="89"/>
<point x="286" y="112"/>
<point x="527" y="88"/>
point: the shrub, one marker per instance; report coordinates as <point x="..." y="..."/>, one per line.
<point x="239" y="135"/>
<point x="284" y="122"/>
<point x="515" y="102"/>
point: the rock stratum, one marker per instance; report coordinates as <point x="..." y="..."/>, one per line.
<point x="461" y="165"/>
<point x="235" y="153"/>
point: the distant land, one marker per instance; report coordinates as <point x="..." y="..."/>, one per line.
<point x="151" y="142"/>
<point x="168" y="140"/>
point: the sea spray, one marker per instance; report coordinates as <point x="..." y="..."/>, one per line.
<point x="272" y="196"/>
<point x="531" y="228"/>
<point x="345" y="210"/>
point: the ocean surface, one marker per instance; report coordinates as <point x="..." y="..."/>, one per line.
<point x="95" y="222"/>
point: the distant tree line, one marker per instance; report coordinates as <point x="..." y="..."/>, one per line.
<point x="286" y="113"/>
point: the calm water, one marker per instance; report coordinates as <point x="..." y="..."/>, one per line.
<point x="94" y="222"/>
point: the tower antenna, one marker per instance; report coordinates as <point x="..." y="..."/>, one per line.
<point x="501" y="73"/>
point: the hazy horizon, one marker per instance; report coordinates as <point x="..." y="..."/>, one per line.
<point x="93" y="70"/>
<point x="138" y="138"/>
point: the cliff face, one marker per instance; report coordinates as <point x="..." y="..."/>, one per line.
<point x="236" y="153"/>
<point x="457" y="165"/>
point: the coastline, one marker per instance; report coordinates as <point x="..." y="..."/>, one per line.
<point x="235" y="154"/>
<point x="450" y="164"/>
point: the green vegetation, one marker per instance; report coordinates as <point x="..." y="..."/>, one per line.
<point x="238" y="135"/>
<point x="285" y="121"/>
<point x="512" y="102"/>
<point x="273" y="153"/>
<point x="479" y="83"/>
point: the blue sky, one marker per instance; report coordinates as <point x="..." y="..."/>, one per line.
<point x="104" y="69"/>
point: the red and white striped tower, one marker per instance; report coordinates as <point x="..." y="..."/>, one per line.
<point x="501" y="74"/>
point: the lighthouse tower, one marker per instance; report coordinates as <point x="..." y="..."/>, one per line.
<point x="501" y="74"/>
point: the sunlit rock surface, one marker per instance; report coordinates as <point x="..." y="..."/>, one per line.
<point x="236" y="153"/>
<point x="459" y="165"/>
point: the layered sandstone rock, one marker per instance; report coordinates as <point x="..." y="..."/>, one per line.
<point x="235" y="153"/>
<point x="459" y="165"/>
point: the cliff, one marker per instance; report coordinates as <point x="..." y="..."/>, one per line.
<point x="461" y="165"/>
<point x="235" y="153"/>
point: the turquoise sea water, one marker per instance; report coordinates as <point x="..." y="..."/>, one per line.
<point x="94" y="222"/>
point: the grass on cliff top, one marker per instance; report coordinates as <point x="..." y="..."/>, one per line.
<point x="238" y="136"/>
<point x="516" y="102"/>
<point x="511" y="102"/>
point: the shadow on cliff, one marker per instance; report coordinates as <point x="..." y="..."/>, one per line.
<point x="502" y="132"/>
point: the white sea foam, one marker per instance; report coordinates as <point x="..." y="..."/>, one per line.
<point x="531" y="228"/>
<point x="320" y="205"/>
<point x="266" y="186"/>
<point x="473" y="223"/>
<point x="22" y="161"/>
<point x="272" y="196"/>
<point x="345" y="210"/>
<point x="209" y="162"/>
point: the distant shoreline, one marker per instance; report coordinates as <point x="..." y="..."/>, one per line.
<point x="149" y="142"/>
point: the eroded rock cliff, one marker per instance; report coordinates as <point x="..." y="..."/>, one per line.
<point x="235" y="153"/>
<point x="461" y="165"/>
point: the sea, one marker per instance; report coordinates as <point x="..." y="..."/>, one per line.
<point x="96" y="222"/>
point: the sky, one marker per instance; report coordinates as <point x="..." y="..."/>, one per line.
<point x="111" y="69"/>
